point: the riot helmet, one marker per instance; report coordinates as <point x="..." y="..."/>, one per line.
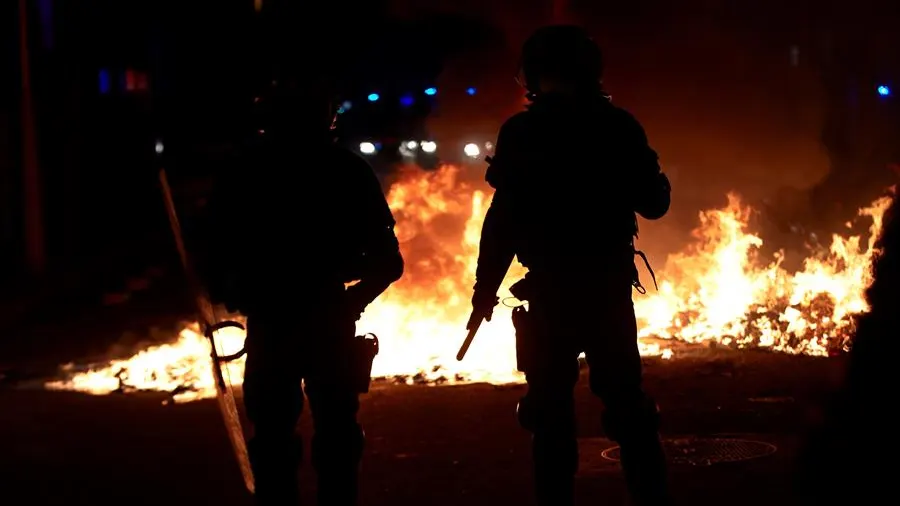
<point x="562" y="53"/>
<point x="298" y="87"/>
<point x="293" y="107"/>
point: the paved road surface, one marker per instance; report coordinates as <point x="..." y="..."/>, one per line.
<point x="427" y="445"/>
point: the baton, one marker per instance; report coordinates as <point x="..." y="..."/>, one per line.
<point x="461" y="354"/>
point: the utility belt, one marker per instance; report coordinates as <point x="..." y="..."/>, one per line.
<point x="525" y="338"/>
<point x="525" y="290"/>
<point x="363" y="350"/>
<point x="357" y="354"/>
<point x="523" y="324"/>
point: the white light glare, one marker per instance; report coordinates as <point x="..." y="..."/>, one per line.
<point x="159" y="147"/>
<point x="472" y="150"/>
<point x="408" y="148"/>
<point x="366" y="148"/>
<point x="429" y="146"/>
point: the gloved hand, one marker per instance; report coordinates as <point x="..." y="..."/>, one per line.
<point x="482" y="309"/>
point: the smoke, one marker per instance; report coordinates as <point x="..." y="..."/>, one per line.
<point x="724" y="111"/>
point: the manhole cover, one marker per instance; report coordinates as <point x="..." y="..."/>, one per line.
<point x="707" y="451"/>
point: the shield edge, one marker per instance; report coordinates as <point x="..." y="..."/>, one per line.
<point x="210" y="325"/>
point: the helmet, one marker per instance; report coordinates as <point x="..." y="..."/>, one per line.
<point x="289" y="105"/>
<point x="298" y="93"/>
<point x="565" y="52"/>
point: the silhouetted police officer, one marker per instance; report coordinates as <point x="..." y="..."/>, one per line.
<point x="570" y="173"/>
<point x="857" y="423"/>
<point x="291" y="223"/>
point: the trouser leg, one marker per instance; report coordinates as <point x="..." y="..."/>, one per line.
<point x="338" y="442"/>
<point x="630" y="417"/>
<point x="548" y="412"/>
<point x="273" y="397"/>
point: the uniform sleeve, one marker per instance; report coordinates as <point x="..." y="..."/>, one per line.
<point x="650" y="186"/>
<point x="382" y="262"/>
<point x="497" y="246"/>
<point x="496" y="249"/>
<point x="509" y="155"/>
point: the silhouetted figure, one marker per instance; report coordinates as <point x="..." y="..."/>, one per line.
<point x="290" y="224"/>
<point x="570" y="173"/>
<point x="859" y="424"/>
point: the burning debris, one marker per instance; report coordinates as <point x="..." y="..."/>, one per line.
<point x="716" y="292"/>
<point x="181" y="368"/>
<point x="725" y="293"/>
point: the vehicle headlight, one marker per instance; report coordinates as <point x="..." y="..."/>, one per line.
<point x="408" y="148"/>
<point x="366" y="148"/>
<point x="471" y="149"/>
<point x="429" y="146"/>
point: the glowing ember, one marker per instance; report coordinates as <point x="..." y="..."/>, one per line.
<point x="715" y="291"/>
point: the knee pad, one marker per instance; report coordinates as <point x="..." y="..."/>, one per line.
<point x="629" y="421"/>
<point x="525" y="414"/>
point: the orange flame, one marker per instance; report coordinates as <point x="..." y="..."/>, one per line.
<point x="715" y="291"/>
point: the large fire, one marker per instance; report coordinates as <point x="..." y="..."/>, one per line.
<point x="718" y="290"/>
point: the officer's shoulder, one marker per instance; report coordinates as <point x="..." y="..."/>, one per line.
<point x="517" y="124"/>
<point x="515" y="134"/>
<point x="351" y="169"/>
<point x="624" y="117"/>
<point x="348" y="162"/>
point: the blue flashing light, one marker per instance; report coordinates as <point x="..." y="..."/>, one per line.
<point x="373" y="97"/>
<point x="470" y="91"/>
<point x="407" y="100"/>
<point x="105" y="82"/>
<point x="431" y="91"/>
<point x="884" y="90"/>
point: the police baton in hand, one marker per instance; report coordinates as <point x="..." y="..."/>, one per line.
<point x="473" y="325"/>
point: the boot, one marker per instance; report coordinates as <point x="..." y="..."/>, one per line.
<point x="337" y="487"/>
<point x="644" y="467"/>
<point x="336" y="457"/>
<point x="554" y="490"/>
<point x="555" y="464"/>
